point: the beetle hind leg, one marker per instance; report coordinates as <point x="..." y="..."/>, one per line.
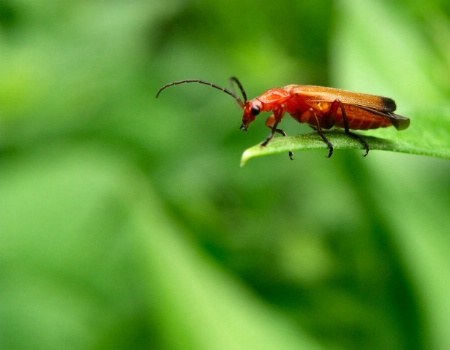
<point x="361" y="140"/>
<point x="352" y="135"/>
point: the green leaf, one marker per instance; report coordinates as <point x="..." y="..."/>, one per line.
<point x="428" y="135"/>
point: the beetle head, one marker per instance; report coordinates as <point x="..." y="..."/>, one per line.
<point x="251" y="110"/>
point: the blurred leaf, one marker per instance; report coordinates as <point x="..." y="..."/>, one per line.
<point x="402" y="51"/>
<point x="190" y="290"/>
<point x="84" y="238"/>
<point x="124" y="223"/>
<point x="428" y="135"/>
<point x="389" y="54"/>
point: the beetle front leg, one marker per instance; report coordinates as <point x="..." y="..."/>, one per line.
<point x="272" y="124"/>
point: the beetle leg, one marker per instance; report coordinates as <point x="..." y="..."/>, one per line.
<point x="272" y="124"/>
<point x="318" y="128"/>
<point x="347" y="129"/>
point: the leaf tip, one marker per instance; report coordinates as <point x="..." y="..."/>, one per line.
<point x="245" y="157"/>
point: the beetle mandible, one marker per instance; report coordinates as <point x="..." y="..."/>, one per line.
<point x="320" y="107"/>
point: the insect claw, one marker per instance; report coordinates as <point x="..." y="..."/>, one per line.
<point x="366" y="146"/>
<point x="330" y="153"/>
<point x="291" y="155"/>
<point x="361" y="140"/>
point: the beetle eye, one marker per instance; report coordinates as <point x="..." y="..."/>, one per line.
<point x="255" y="110"/>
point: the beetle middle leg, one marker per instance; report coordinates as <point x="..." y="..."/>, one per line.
<point x="319" y="130"/>
<point x="272" y="124"/>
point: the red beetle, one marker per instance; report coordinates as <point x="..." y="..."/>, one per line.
<point x="320" y="107"/>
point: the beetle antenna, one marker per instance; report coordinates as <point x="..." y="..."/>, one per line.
<point x="238" y="83"/>
<point x="239" y="101"/>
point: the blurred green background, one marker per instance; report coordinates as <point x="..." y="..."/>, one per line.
<point x="126" y="222"/>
